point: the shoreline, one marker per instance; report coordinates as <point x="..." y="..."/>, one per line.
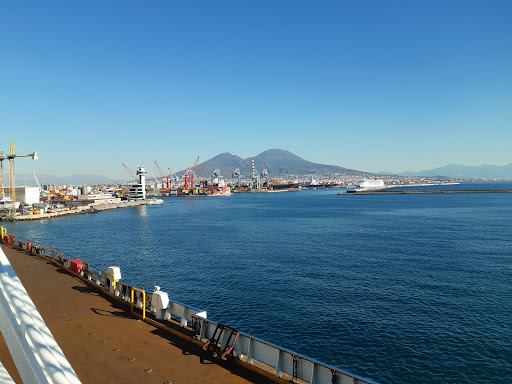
<point x="91" y="208"/>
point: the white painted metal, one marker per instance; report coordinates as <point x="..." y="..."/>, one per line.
<point x="4" y="375"/>
<point x="33" y="348"/>
<point x="116" y="271"/>
<point x="253" y="351"/>
<point x="247" y="348"/>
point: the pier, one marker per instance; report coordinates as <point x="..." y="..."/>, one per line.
<point x="91" y="208"/>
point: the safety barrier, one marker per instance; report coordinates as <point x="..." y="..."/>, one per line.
<point x="36" y="354"/>
<point x="223" y="341"/>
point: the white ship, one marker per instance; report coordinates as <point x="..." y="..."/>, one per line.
<point x="372" y="183"/>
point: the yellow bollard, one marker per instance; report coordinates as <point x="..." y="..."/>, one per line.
<point x="143" y="301"/>
<point x="3" y="232"/>
<point x="113" y="278"/>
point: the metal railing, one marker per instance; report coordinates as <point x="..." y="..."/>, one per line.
<point x="246" y="350"/>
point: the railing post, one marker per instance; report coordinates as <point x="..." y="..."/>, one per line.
<point x="143" y="301"/>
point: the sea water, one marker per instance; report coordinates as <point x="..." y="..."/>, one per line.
<point x="398" y="288"/>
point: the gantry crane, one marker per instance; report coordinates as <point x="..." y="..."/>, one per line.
<point x="12" y="180"/>
<point x="236" y="173"/>
<point x="264" y="175"/>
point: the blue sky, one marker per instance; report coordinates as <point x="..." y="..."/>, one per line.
<point x="369" y="85"/>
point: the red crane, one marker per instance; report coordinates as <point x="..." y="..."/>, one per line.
<point x="130" y="172"/>
<point x="201" y="171"/>
<point x="190" y="172"/>
<point x="159" y="170"/>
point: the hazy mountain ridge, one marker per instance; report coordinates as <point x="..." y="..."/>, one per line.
<point x="278" y="162"/>
<point x="485" y="171"/>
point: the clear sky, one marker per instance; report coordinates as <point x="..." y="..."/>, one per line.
<point x="373" y="85"/>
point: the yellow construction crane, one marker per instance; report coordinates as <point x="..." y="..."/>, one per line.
<point x="12" y="184"/>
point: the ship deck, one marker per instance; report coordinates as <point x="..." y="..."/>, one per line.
<point x="102" y="341"/>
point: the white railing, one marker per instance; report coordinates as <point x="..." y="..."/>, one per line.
<point x="33" y="348"/>
<point x="275" y="360"/>
<point x="279" y="361"/>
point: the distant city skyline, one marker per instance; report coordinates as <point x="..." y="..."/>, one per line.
<point x="373" y="86"/>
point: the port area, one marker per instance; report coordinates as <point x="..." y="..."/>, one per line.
<point x="102" y="341"/>
<point x="90" y="208"/>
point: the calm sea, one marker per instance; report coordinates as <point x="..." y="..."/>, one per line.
<point x="400" y="288"/>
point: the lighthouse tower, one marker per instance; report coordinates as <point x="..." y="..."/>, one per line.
<point x="138" y="191"/>
<point x="141" y="172"/>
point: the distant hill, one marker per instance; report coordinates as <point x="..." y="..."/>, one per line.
<point x="465" y="171"/>
<point x="278" y="162"/>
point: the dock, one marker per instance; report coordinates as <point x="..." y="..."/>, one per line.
<point x="91" y="208"/>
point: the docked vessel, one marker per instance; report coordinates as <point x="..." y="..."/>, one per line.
<point x="288" y="187"/>
<point x="377" y="183"/>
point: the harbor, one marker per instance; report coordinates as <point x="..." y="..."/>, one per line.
<point x="339" y="280"/>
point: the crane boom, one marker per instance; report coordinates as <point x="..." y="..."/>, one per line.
<point x="130" y="172"/>
<point x="201" y="171"/>
<point x="195" y="165"/>
<point x="159" y="170"/>
<point x="37" y="181"/>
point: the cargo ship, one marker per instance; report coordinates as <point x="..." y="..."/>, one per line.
<point x="287" y="187"/>
<point x="313" y="184"/>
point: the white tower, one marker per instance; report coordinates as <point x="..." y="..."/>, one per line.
<point x="141" y="172"/>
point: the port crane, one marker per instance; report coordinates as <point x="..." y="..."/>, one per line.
<point x="161" y="174"/>
<point x="174" y="177"/>
<point x="130" y="172"/>
<point x="12" y="180"/>
<point x="216" y="176"/>
<point x="189" y="175"/>
<point x="41" y="191"/>
<point x="264" y="175"/>
<point x="236" y="173"/>
<point x="156" y="180"/>
<point x="201" y="171"/>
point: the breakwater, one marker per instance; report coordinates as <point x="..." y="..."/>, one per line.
<point x="422" y="192"/>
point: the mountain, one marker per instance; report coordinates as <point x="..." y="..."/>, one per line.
<point x="278" y="162"/>
<point x="465" y="171"/>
